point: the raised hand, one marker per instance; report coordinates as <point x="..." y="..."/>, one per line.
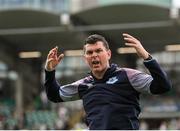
<point x="135" y="43"/>
<point x="53" y="59"/>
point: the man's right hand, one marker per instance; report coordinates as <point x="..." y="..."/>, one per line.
<point x="53" y="59"/>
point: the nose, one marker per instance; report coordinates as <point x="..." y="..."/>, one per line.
<point x="94" y="54"/>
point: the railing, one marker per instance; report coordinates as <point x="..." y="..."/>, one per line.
<point x="165" y="3"/>
<point x="59" y="6"/>
<point x="55" y="6"/>
<point x="87" y="4"/>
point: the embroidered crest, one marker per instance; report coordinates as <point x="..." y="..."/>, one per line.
<point x="112" y="80"/>
<point x="90" y="86"/>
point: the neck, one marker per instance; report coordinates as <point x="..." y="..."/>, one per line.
<point x="99" y="75"/>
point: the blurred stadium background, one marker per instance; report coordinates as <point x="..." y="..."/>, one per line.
<point x="30" y="28"/>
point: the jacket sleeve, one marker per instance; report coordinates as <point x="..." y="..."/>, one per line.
<point x="156" y="83"/>
<point x="160" y="83"/>
<point x="57" y="93"/>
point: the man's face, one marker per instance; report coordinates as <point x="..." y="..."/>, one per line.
<point x="97" y="57"/>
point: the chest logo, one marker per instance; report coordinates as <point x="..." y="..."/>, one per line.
<point x="112" y="80"/>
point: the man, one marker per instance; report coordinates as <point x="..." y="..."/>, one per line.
<point x="110" y="94"/>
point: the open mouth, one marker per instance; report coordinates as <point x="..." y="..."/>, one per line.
<point x="95" y="62"/>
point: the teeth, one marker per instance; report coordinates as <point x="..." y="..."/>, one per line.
<point x="95" y="62"/>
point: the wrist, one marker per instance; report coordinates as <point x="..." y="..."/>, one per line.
<point x="148" y="58"/>
<point x="47" y="68"/>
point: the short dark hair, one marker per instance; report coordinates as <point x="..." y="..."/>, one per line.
<point x="92" y="39"/>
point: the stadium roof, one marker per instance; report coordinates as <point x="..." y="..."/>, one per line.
<point x="33" y="30"/>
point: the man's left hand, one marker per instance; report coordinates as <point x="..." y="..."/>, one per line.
<point x="135" y="43"/>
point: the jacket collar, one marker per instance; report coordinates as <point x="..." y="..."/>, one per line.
<point x="109" y="72"/>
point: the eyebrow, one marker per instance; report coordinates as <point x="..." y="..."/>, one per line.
<point x="94" y="49"/>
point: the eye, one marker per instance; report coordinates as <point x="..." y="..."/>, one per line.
<point x="99" y="50"/>
<point x="89" y="52"/>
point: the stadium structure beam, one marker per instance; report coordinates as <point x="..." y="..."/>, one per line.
<point x="84" y="28"/>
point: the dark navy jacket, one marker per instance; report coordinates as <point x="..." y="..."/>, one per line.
<point x="113" y="101"/>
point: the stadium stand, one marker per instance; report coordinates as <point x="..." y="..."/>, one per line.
<point x="36" y="26"/>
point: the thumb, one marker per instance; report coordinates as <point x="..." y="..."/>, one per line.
<point x="60" y="57"/>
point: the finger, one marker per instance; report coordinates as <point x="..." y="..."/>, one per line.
<point x="52" y="52"/>
<point x="55" y="50"/>
<point x="50" y="55"/>
<point x="49" y="60"/>
<point x="129" y="36"/>
<point x="126" y="35"/>
<point x="130" y="44"/>
<point x="60" y="57"/>
<point x="130" y="40"/>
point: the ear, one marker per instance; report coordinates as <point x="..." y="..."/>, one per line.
<point x="109" y="54"/>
